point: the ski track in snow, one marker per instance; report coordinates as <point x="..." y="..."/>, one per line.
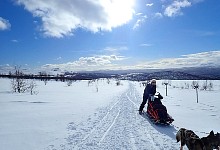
<point x="119" y="127"/>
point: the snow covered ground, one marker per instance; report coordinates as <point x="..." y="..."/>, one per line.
<point x="101" y="115"/>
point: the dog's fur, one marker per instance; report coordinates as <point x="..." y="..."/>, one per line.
<point x="212" y="141"/>
<point x="190" y="139"/>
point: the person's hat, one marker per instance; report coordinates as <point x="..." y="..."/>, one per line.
<point x="153" y="81"/>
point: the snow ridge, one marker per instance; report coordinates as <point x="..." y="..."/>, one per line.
<point x="109" y="128"/>
<point x="119" y="126"/>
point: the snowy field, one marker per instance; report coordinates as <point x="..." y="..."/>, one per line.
<point x="101" y="115"/>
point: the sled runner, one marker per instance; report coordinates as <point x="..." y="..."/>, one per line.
<point x="157" y="112"/>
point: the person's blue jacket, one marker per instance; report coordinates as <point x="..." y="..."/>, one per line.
<point x="149" y="91"/>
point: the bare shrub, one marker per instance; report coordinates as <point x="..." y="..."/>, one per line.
<point x="69" y="82"/>
<point x="187" y="85"/>
<point x="19" y="85"/>
<point x="207" y="85"/>
<point x="210" y="86"/>
<point x="90" y="82"/>
<point x="45" y="82"/>
<point x="108" y="81"/>
<point x="32" y="86"/>
<point x="118" y="83"/>
<point x="97" y="88"/>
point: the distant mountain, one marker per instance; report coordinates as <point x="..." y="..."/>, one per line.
<point x="141" y="75"/>
<point x="208" y="72"/>
<point x="169" y="75"/>
<point x="194" y="73"/>
<point x="199" y="73"/>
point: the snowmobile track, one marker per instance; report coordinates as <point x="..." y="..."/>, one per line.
<point x="119" y="126"/>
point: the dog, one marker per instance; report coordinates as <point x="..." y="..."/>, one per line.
<point x="212" y="141"/>
<point x="190" y="139"/>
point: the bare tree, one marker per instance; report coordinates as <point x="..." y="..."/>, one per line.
<point x="69" y="82"/>
<point x="96" y="85"/>
<point x="210" y="85"/>
<point x="32" y="86"/>
<point x="97" y="88"/>
<point x="21" y="85"/>
<point x="118" y="82"/>
<point x="187" y="86"/>
<point x="108" y="81"/>
<point x="207" y="85"/>
<point x="45" y="82"/>
<point x="18" y="83"/>
<point x="91" y="82"/>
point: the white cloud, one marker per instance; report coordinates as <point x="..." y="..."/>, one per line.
<point x="15" y="41"/>
<point x="158" y="15"/>
<point x="89" y="63"/>
<point x="6" y="68"/>
<point x="204" y="33"/>
<point x="139" y="14"/>
<point x="4" y="24"/>
<point x="59" y="58"/>
<point x="115" y="49"/>
<point x="145" y="45"/>
<point x="211" y="58"/>
<point x="174" y="9"/>
<point x="197" y="1"/>
<point x="141" y="19"/>
<point x="114" y="62"/>
<point x="149" y="5"/>
<point x="211" y="55"/>
<point x="61" y="18"/>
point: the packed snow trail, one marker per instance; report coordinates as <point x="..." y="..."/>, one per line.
<point x="119" y="126"/>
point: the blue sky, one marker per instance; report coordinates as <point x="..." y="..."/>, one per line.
<point x="79" y="35"/>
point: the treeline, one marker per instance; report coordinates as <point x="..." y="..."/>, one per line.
<point x="58" y="77"/>
<point x="48" y="77"/>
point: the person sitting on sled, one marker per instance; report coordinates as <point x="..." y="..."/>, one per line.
<point x="156" y="98"/>
<point x="149" y="91"/>
<point x="156" y="103"/>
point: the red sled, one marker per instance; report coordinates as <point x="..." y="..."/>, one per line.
<point x="157" y="112"/>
